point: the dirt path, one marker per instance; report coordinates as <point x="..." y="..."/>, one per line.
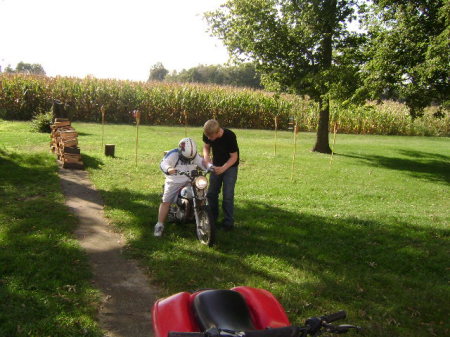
<point x="127" y="295"/>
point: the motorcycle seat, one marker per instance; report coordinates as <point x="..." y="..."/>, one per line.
<point x="222" y="309"/>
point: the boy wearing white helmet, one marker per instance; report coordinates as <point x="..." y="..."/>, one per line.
<point x="182" y="158"/>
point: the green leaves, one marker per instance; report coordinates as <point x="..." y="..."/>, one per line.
<point x="408" y="52"/>
<point x="289" y="41"/>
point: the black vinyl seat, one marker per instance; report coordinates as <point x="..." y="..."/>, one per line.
<point x="222" y="309"/>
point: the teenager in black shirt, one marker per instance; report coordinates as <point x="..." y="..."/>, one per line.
<point x="225" y="153"/>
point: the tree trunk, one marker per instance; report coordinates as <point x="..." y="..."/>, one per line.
<point x="330" y="10"/>
<point x="322" y="142"/>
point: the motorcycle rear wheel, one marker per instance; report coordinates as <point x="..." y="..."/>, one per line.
<point x="206" y="229"/>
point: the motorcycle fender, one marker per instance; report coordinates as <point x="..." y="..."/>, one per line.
<point x="264" y="308"/>
<point x="187" y="192"/>
<point x="173" y="314"/>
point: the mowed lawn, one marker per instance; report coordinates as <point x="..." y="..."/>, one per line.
<point x="45" y="287"/>
<point x="366" y="232"/>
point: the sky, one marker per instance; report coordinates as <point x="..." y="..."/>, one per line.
<point x="119" y="39"/>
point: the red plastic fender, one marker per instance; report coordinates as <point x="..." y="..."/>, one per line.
<point x="173" y="314"/>
<point x="264" y="308"/>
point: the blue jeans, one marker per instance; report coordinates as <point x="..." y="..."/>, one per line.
<point x="227" y="180"/>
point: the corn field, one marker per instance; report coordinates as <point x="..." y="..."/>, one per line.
<point x="25" y="96"/>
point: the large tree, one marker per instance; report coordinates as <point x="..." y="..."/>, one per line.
<point x="241" y="75"/>
<point x="158" y="72"/>
<point x="408" y="52"/>
<point x="303" y="45"/>
<point x="26" y="68"/>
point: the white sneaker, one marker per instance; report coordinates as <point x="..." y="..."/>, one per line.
<point x="159" y="228"/>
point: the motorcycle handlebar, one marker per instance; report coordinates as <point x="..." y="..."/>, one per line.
<point x="191" y="174"/>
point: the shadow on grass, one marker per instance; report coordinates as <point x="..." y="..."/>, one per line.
<point x="92" y="162"/>
<point x="422" y="165"/>
<point x="44" y="278"/>
<point x="84" y="133"/>
<point x="390" y="276"/>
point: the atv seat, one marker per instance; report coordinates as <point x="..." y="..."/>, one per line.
<point x="222" y="309"/>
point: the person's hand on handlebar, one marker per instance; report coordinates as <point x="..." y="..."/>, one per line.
<point x="172" y="171"/>
<point x="209" y="167"/>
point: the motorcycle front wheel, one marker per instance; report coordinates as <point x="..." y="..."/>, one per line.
<point x="206" y="229"/>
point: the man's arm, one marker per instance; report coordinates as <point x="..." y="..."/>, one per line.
<point x="206" y="153"/>
<point x="230" y="162"/>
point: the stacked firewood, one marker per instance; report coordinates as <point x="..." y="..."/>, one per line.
<point x="64" y="143"/>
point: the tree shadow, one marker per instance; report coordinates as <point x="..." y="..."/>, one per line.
<point x="19" y="169"/>
<point x="421" y="165"/>
<point x="390" y="272"/>
<point x="389" y="276"/>
<point x="44" y="276"/>
<point x="84" y="134"/>
<point x="92" y="162"/>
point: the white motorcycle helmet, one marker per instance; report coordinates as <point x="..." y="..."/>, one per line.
<point x="187" y="148"/>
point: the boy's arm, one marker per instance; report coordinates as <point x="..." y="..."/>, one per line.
<point x="168" y="163"/>
<point x="201" y="162"/>
<point x="206" y="153"/>
<point x="230" y="162"/>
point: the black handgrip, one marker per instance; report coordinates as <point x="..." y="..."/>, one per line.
<point x="334" y="317"/>
<point x="288" y="331"/>
<point x="186" y="334"/>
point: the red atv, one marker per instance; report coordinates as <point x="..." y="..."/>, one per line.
<point x="239" y="312"/>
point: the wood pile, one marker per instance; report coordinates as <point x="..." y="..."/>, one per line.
<point x="64" y="143"/>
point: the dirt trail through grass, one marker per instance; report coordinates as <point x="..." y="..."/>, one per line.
<point x="126" y="295"/>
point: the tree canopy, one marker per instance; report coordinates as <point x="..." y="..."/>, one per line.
<point x="26" y="68"/>
<point x="301" y="46"/>
<point x="408" y="52"/>
<point x="158" y="72"/>
<point x="242" y="75"/>
<point x="306" y="47"/>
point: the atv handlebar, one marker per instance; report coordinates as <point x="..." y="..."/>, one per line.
<point x="289" y="331"/>
<point x="186" y="334"/>
<point x="313" y="327"/>
<point x="334" y="317"/>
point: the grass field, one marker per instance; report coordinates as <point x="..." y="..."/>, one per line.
<point x="366" y="232"/>
<point x="45" y="285"/>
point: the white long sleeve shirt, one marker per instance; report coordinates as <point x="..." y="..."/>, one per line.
<point x="172" y="159"/>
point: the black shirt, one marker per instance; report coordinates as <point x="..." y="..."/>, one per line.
<point x="222" y="147"/>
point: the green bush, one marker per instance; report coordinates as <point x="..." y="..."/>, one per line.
<point x="42" y="122"/>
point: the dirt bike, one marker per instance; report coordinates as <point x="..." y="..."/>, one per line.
<point x="239" y="312"/>
<point x="192" y="205"/>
